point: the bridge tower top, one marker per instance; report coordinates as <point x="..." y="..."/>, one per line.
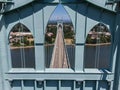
<point x="60" y="24"/>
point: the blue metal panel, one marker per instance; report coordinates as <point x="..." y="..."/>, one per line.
<point x="26" y="17"/>
<point x="97" y="2"/>
<point x="20" y="3"/>
<point x="108" y="20"/>
<point x="1" y="71"/>
<point x="63" y="85"/>
<point x="10" y="21"/>
<point x="51" y="1"/>
<point x="39" y="51"/>
<point x="67" y="85"/>
<point x="47" y="12"/>
<point x="102" y="5"/>
<point x="116" y="0"/>
<point x="39" y="34"/>
<point x="110" y="23"/>
<point x="81" y="23"/>
<point x="117" y="66"/>
<point x="28" y="85"/>
<point x="39" y="23"/>
<point x="4" y="55"/>
<point x="84" y="16"/>
<point x="92" y="18"/>
<point x="90" y="85"/>
<point x="52" y="85"/>
<point x="103" y="85"/>
<point x="79" y="56"/>
<point x="39" y="85"/>
<point x="5" y="1"/>
<point x="16" y="85"/>
<point x="78" y="85"/>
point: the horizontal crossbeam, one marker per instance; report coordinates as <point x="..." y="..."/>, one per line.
<point x="60" y="1"/>
<point x="6" y="1"/>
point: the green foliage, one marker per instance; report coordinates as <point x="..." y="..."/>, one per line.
<point x="16" y="43"/>
<point x="99" y="39"/>
<point x="68" y="33"/>
<point x="32" y="43"/>
<point x="98" y="35"/>
<point x="23" y="42"/>
<point x="50" y="39"/>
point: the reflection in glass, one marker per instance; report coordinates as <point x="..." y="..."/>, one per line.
<point x="22" y="47"/>
<point x="97" y="48"/>
<point x="59" y="38"/>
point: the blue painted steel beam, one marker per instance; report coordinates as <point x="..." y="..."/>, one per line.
<point x="112" y="1"/>
<point x="21" y="3"/>
<point x="59" y="76"/>
<point x="6" y="1"/>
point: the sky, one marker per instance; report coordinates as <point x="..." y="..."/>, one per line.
<point x="60" y="14"/>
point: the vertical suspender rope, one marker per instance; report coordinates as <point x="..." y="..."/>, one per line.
<point x="99" y="46"/>
<point x="23" y="47"/>
<point x="21" y="53"/>
<point x="98" y="64"/>
<point x="97" y="53"/>
<point x="20" y="47"/>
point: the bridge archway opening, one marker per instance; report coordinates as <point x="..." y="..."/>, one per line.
<point x="60" y="19"/>
<point x="22" y="50"/>
<point x="98" y="47"/>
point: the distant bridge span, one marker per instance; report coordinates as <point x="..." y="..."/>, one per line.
<point x="59" y="56"/>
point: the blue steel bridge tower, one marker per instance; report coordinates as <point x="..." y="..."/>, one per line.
<point x="95" y="65"/>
